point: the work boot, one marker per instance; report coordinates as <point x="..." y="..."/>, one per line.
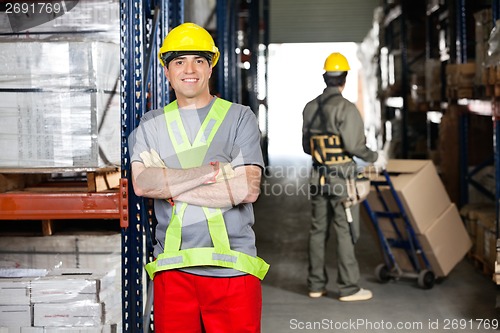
<point x="317" y="294"/>
<point x="361" y="295"/>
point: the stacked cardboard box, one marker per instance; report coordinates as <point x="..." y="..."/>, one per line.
<point x="88" y="251"/>
<point x="15" y="308"/>
<point x="480" y="219"/>
<point x="99" y="17"/>
<point x="460" y="79"/>
<point x="76" y="298"/>
<point x="60" y="103"/>
<point x="433" y="217"/>
<point x="82" y="299"/>
<point x="433" y="81"/>
<point x="483" y="24"/>
<point x="80" y="293"/>
<point x="60" y="98"/>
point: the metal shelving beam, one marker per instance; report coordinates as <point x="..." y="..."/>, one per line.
<point x="228" y="75"/>
<point x="143" y="24"/>
<point x="132" y="107"/>
<point x="495" y="6"/>
<point x="461" y="58"/>
<point x="58" y="206"/>
<point x="405" y="78"/>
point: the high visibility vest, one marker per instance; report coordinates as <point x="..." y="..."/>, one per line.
<point x="192" y="155"/>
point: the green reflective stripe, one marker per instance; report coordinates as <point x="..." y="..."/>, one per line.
<point x="192" y="155"/>
<point x="174" y="230"/>
<point x="217" y="228"/>
<point x="217" y="113"/>
<point x="172" y="116"/>
<point x="208" y="257"/>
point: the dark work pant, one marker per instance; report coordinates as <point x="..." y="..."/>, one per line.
<point x="328" y="211"/>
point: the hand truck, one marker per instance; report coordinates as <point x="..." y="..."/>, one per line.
<point x="404" y="238"/>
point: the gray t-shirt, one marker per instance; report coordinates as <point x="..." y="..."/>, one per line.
<point x="237" y="141"/>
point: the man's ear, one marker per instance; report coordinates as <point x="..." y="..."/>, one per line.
<point x="165" y="70"/>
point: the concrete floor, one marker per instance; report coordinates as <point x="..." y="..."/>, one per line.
<point x="464" y="301"/>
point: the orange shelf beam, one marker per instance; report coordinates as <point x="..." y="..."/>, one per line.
<point x="65" y="205"/>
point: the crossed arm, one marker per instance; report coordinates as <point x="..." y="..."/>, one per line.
<point x="195" y="185"/>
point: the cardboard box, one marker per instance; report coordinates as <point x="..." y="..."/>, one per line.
<point x="32" y="330"/>
<point x="94" y="251"/>
<point x="485" y="240"/>
<point x="445" y="242"/>
<point x="420" y="190"/>
<point x="15" y="315"/>
<point x="61" y="109"/>
<point x="60" y="129"/>
<point x="72" y="286"/>
<point x="15" y="292"/>
<point x="68" y="314"/>
<point x="59" y="64"/>
<point x="96" y="329"/>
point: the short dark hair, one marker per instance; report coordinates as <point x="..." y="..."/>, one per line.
<point x="335" y="80"/>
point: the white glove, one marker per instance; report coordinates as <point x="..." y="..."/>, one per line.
<point x="381" y="161"/>
<point x="223" y="172"/>
<point x="152" y="159"/>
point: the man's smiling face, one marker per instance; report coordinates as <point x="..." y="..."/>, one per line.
<point x="189" y="76"/>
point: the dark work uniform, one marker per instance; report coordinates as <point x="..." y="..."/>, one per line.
<point x="343" y="120"/>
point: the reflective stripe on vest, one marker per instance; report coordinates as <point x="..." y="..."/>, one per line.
<point x="192" y="155"/>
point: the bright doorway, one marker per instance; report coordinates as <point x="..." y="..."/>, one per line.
<point x="295" y="76"/>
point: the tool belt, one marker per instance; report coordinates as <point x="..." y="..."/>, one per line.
<point x="357" y="190"/>
<point x="345" y="184"/>
<point x="327" y="150"/>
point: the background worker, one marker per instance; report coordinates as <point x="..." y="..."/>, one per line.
<point x="333" y="133"/>
<point x="199" y="158"/>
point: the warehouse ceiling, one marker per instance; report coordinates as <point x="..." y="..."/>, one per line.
<point x="316" y="21"/>
<point x="303" y="21"/>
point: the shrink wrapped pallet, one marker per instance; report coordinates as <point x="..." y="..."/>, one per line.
<point x="60" y="104"/>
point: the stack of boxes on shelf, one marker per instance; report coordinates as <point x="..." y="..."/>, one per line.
<point x="67" y="301"/>
<point x="73" y="284"/>
<point x="483" y="26"/>
<point x="59" y="86"/>
<point x="460" y="80"/>
<point x="480" y="220"/>
<point x="433" y="81"/>
<point x="433" y="217"/>
<point x="60" y="103"/>
<point x="469" y="79"/>
<point x="59" y="89"/>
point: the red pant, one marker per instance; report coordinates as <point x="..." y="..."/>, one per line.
<point x="187" y="303"/>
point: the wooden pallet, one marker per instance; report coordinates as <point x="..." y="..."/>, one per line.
<point x="49" y="179"/>
<point x="480" y="264"/>
<point x="99" y="188"/>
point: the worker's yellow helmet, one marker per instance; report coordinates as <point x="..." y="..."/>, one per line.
<point x="336" y="62"/>
<point x="188" y="38"/>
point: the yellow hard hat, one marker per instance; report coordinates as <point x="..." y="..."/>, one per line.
<point x="336" y="62"/>
<point x="185" y="38"/>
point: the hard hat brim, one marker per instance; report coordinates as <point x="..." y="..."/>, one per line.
<point x="335" y="73"/>
<point x="169" y="56"/>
